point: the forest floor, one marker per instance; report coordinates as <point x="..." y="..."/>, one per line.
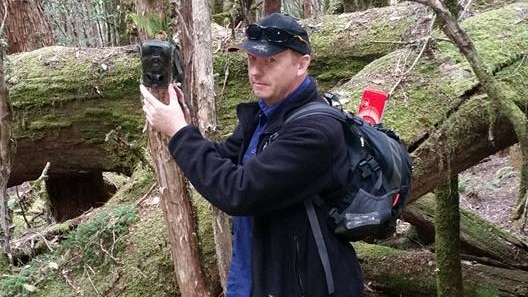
<point x="490" y="190"/>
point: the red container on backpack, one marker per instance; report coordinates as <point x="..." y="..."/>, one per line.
<point x="372" y="105"/>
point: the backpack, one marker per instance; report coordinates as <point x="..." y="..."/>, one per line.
<point x="379" y="183"/>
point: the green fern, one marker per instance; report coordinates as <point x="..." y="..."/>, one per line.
<point x="151" y="23"/>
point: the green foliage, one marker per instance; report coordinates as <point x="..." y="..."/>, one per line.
<point x="96" y="241"/>
<point x="141" y="180"/>
<point x="24" y="282"/>
<point x="13" y="285"/>
<point x="93" y="244"/>
<point x="152" y="23"/>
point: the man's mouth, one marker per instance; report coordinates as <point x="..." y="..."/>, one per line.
<point x="258" y="83"/>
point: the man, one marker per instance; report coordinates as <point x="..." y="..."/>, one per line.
<point x="264" y="171"/>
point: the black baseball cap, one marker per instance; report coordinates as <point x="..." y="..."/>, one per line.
<point x="274" y="34"/>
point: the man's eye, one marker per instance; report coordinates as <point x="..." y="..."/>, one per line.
<point x="270" y="60"/>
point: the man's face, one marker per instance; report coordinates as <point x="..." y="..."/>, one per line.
<point x="273" y="78"/>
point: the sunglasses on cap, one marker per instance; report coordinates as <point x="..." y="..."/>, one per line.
<point x="271" y="34"/>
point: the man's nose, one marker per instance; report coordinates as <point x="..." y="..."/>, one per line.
<point x="255" y="68"/>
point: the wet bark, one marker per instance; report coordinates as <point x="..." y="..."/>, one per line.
<point x="6" y="157"/>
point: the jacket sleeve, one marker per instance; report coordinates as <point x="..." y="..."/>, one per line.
<point x="295" y="166"/>
<point x="231" y="147"/>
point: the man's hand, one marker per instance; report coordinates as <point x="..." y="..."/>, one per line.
<point x="167" y="119"/>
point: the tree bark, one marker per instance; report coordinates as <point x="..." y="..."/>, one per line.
<point x="271" y="6"/>
<point x="447" y="240"/>
<point x="26" y="27"/>
<point x="178" y="213"/>
<point x="202" y="95"/>
<point x="6" y="155"/>
<point x="175" y="195"/>
<point x="307" y="8"/>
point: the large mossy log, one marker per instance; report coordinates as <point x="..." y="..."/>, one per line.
<point x="440" y="109"/>
<point x="77" y="108"/>
<point x="481" y="240"/>
<point x="411" y="274"/>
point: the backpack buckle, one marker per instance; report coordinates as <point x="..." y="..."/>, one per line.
<point x="368" y="166"/>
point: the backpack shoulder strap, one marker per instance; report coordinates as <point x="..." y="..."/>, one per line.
<point x="318" y="108"/>
<point x="321" y="245"/>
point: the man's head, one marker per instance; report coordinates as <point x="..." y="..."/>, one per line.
<point x="274" y="34"/>
<point x="278" y="50"/>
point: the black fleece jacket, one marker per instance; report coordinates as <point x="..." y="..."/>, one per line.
<point x="293" y="163"/>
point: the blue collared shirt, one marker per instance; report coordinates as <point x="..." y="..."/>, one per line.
<point x="239" y="278"/>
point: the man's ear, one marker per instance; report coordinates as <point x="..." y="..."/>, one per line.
<point x="304" y="63"/>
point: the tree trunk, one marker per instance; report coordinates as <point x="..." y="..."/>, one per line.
<point x="271" y="6"/>
<point x="412" y="274"/>
<point x="175" y="195"/>
<point x="447" y="240"/>
<point x="307" y="5"/>
<point x="6" y="155"/>
<point x="178" y="213"/>
<point x="202" y="95"/>
<point x="26" y="28"/>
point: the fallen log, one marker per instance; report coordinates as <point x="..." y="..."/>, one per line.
<point x="481" y="241"/>
<point x="35" y="241"/>
<point x="439" y="109"/>
<point x="412" y="274"/>
<point x="78" y="109"/>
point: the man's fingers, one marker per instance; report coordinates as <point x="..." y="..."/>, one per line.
<point x="176" y="93"/>
<point x="179" y="92"/>
<point x="173" y="96"/>
<point x="147" y="95"/>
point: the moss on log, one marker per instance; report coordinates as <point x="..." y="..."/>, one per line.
<point x="412" y="274"/>
<point x="76" y="108"/>
<point x="440" y="108"/>
<point x="481" y="240"/>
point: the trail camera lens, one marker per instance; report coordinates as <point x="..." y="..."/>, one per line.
<point x="156" y="63"/>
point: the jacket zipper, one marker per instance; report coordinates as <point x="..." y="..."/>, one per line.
<point x="296" y="265"/>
